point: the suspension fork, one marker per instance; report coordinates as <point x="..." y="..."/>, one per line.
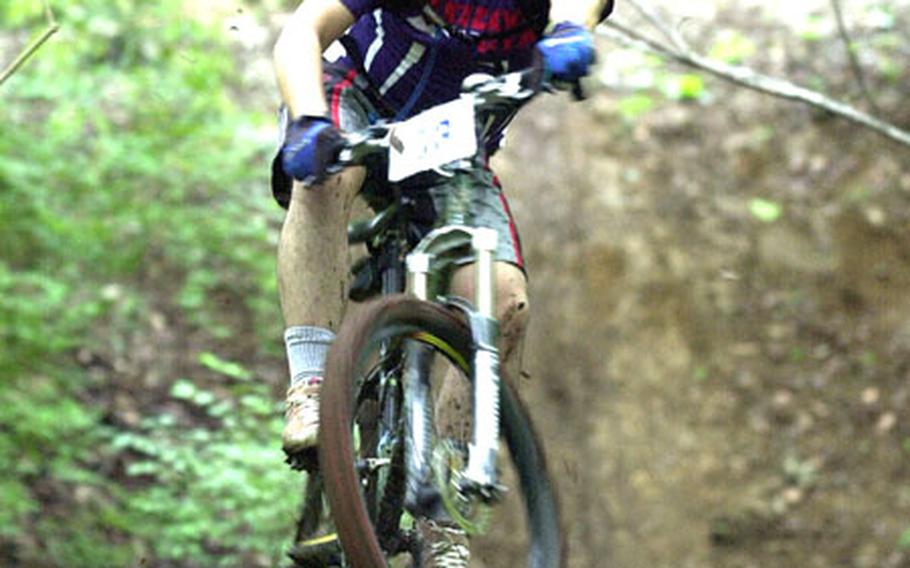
<point x="481" y="471"/>
<point x="419" y="495"/>
<point x="480" y="475"/>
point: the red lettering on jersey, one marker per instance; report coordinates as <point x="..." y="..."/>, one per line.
<point x="488" y="46"/>
<point x="512" y="19"/>
<point x="464" y="16"/>
<point x="495" y="23"/>
<point x="528" y="38"/>
<point x="481" y="21"/>
<point x="448" y="12"/>
<point x="487" y="21"/>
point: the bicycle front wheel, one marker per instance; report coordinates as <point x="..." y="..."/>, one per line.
<point x="349" y="460"/>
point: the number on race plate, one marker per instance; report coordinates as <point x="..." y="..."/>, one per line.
<point x="433" y="138"/>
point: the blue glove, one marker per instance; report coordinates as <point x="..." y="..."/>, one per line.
<point x="311" y="146"/>
<point x="567" y="52"/>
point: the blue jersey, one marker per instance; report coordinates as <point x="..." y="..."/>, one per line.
<point x="417" y="58"/>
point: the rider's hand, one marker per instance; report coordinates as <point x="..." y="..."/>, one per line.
<point x="567" y="52"/>
<point x="311" y="145"/>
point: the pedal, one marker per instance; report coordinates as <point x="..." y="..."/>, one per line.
<point x="425" y="501"/>
<point x="489" y="494"/>
<point x="306" y="460"/>
<point x="319" y="552"/>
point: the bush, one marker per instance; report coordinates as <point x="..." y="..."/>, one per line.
<point x="130" y="174"/>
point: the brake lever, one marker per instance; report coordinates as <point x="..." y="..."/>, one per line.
<point x="575" y="88"/>
<point x="578" y="92"/>
<point x="357" y="146"/>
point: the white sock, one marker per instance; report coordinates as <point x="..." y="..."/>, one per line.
<point x="307" y="348"/>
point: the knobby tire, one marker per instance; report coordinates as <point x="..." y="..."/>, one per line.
<point x="404" y="316"/>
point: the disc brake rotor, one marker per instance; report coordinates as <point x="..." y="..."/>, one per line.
<point x="449" y="461"/>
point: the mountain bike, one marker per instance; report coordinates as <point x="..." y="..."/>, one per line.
<point x="383" y="462"/>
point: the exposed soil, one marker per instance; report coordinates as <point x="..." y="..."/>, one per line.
<point x="715" y="390"/>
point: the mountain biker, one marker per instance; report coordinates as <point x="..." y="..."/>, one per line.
<point x="343" y="64"/>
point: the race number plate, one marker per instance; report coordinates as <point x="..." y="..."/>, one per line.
<point x="433" y="138"/>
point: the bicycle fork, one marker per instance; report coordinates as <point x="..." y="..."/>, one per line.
<point x="480" y="477"/>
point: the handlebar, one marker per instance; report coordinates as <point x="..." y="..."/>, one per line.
<point x="489" y="93"/>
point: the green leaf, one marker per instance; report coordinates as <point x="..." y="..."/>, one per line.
<point x="220" y="409"/>
<point x="881" y="18"/>
<point x="228" y="368"/>
<point x="203" y="398"/>
<point x="633" y="107"/>
<point x="683" y="87"/>
<point x="814" y="28"/>
<point x="183" y="389"/>
<point x="700" y="374"/>
<point x="904" y="540"/>
<point x="732" y="47"/>
<point x="15" y="502"/>
<point x="258" y="405"/>
<point x="765" y="210"/>
<point x="143" y="468"/>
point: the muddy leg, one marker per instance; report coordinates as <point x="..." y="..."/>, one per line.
<point x="453" y="405"/>
<point x="313" y="251"/>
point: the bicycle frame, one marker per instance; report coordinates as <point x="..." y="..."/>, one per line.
<point x="427" y="267"/>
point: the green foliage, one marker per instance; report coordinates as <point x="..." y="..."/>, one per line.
<point x="765" y="210"/>
<point x="814" y="28"/>
<point x="44" y="431"/>
<point x="15" y="504"/>
<point x="890" y="69"/>
<point x="800" y="473"/>
<point x="904" y="540"/>
<point x="881" y="17"/>
<point x="30" y="304"/>
<point x="683" y="87"/>
<point x="127" y="164"/>
<point x="888" y="46"/>
<point x="797" y="354"/>
<point x="212" y="496"/>
<point x="226" y="368"/>
<point x="635" y="106"/>
<point x="144" y="155"/>
<point x="77" y="540"/>
<point x="732" y="47"/>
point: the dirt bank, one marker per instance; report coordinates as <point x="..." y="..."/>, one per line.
<point x="715" y="389"/>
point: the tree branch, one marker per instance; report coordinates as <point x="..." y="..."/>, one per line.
<point x="851" y="55"/>
<point x="52" y="28"/>
<point x="750" y="79"/>
<point x="669" y="32"/>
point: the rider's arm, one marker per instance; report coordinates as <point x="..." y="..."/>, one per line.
<point x="585" y="12"/>
<point x="298" y="54"/>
